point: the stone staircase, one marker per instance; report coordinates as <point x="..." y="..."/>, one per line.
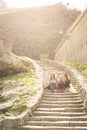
<point x="58" y="111"/>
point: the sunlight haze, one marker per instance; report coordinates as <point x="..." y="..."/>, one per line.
<point x="79" y="4"/>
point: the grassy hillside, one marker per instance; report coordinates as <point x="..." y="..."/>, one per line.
<point x="36" y="32"/>
<point x="17" y="80"/>
<point x="74" y="46"/>
<point x="80" y="67"/>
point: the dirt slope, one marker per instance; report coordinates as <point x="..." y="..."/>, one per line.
<point x="74" y="46"/>
<point x="35" y="32"/>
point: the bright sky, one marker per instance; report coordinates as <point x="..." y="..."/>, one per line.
<point x="79" y="4"/>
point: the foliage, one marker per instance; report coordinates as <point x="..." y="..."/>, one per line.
<point x="26" y="78"/>
<point x="16" y="110"/>
<point x="81" y="67"/>
<point x="20" y="104"/>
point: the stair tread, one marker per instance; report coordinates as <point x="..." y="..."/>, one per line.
<point x="69" y="127"/>
<point x="71" y="101"/>
<point x="58" y="118"/>
<point x="42" y="108"/>
<point x="60" y="121"/>
<point x="65" y="92"/>
<point x="62" y="109"/>
<point x="60" y="99"/>
<point x="61" y="96"/>
<point x="60" y="112"/>
<point x="62" y="104"/>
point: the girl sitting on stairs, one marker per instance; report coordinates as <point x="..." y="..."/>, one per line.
<point x="59" y="83"/>
<point x="52" y="82"/>
<point x="66" y="81"/>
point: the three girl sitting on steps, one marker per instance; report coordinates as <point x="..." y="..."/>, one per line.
<point x="61" y="83"/>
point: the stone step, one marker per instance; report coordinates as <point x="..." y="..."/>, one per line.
<point x="57" y="123"/>
<point x="62" y="102"/>
<point x="51" y="128"/>
<point x="61" y="109"/>
<point x="60" y="98"/>
<point x="60" y="105"/>
<point x="42" y="113"/>
<point x="58" y="118"/>
<point x="62" y="93"/>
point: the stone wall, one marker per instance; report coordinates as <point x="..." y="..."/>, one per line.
<point x="74" y="45"/>
<point x="5" y="46"/>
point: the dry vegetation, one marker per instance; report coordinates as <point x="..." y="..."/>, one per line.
<point x="34" y="32"/>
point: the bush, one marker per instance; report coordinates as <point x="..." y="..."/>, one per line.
<point x="81" y="67"/>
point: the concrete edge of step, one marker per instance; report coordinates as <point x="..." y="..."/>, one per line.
<point x="12" y="122"/>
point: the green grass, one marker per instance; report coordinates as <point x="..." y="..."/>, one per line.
<point x="20" y="101"/>
<point x="16" y="110"/>
<point x="81" y="67"/>
<point x="20" y="105"/>
<point x="26" y="78"/>
<point x="23" y="99"/>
